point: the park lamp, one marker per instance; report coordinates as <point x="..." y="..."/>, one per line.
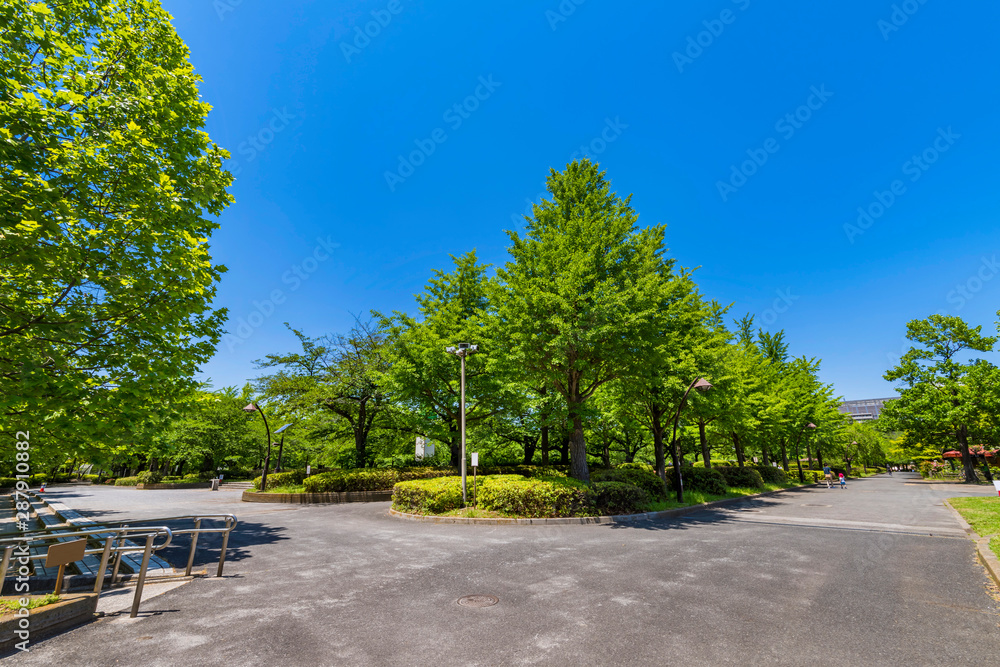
<point x="462" y="351"/>
<point x="253" y="407"/>
<point x="701" y="384"/>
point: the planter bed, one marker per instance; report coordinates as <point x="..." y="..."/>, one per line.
<point x="69" y="612"/>
<point x="169" y="485"/>
<point x="251" y="496"/>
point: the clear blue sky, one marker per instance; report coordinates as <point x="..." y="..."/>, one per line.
<point x="316" y="115"/>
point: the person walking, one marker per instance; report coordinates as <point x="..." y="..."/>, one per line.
<point x="888" y="469"/>
<point x="843" y="481"/>
<point x="828" y="475"/>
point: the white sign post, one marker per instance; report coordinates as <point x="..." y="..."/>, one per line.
<point x="997" y="486"/>
<point x="308" y="470"/>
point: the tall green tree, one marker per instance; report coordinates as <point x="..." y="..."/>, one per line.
<point x="580" y="294"/>
<point x="938" y="394"/>
<point x="108" y="188"/>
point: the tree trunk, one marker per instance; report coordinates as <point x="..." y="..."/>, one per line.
<point x="738" y="446"/>
<point x="656" y="424"/>
<point x="784" y="455"/>
<point x="967" y="463"/>
<point x="529" y="449"/>
<point x="359" y="447"/>
<point x="578" y="448"/>
<point x="764" y="453"/>
<point x="819" y="457"/>
<point x="545" y="445"/>
<point x="705" y="453"/>
<point x="456" y="444"/>
<point x="809" y="454"/>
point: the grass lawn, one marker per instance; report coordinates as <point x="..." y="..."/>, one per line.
<point x="9" y="605"/>
<point x="995" y="545"/>
<point x="288" y="488"/>
<point x="983" y="514"/>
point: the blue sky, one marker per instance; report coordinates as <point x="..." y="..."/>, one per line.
<point x="754" y="130"/>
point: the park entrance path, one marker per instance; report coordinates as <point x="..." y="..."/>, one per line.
<point x="877" y="574"/>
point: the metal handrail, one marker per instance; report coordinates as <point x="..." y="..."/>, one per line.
<point x="110" y="547"/>
<point x="230" y="520"/>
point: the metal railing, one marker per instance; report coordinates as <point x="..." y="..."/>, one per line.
<point x="113" y="544"/>
<point x="229" y="520"/>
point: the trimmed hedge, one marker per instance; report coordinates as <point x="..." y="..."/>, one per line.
<point x="537" y="497"/>
<point x="741" y="477"/>
<point x="428" y="496"/>
<point x="644" y="478"/>
<point x="369" y="479"/>
<point x="127" y="481"/>
<point x="706" y="480"/>
<point x="287" y="478"/>
<point x="619" y="498"/>
<point x="772" y="475"/>
<point x="150" y="477"/>
<point x="8" y="482"/>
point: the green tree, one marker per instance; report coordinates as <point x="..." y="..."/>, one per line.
<point x="341" y="374"/>
<point x="108" y="185"/>
<point x="580" y="294"/>
<point x="939" y="394"/>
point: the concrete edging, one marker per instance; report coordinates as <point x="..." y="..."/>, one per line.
<point x="71" y="611"/>
<point x="986" y="555"/>
<point x="585" y="520"/>
<point x="169" y="485"/>
<point x="251" y="496"/>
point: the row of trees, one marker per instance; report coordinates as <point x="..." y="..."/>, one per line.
<point x="590" y="335"/>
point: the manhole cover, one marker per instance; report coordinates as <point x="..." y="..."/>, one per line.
<point x="815" y="505"/>
<point x="478" y="600"/>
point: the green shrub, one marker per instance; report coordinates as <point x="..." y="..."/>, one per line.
<point x="530" y="471"/>
<point x="369" y="479"/>
<point x="92" y="478"/>
<point x="7" y="482"/>
<point x="127" y="481"/>
<point x="706" y="480"/>
<point x="109" y="480"/>
<point x="619" y="498"/>
<point x="150" y="477"/>
<point x="275" y="479"/>
<point x="537" y="497"/>
<point x="772" y="475"/>
<point x="747" y="478"/>
<point x="635" y="465"/>
<point x="62" y="477"/>
<point x="40" y="478"/>
<point x="427" y="496"/>
<point x="644" y="478"/>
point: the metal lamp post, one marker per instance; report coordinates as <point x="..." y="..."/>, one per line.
<point x="253" y="407"/>
<point x="281" y="446"/>
<point x="701" y="384"/>
<point x="462" y="351"/>
<point x="798" y="459"/>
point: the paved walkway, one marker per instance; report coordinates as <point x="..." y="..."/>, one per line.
<point x="876" y="574"/>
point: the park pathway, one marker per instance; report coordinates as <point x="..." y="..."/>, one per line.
<point x="877" y="574"/>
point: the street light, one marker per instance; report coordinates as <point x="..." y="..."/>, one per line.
<point x="701" y="384"/>
<point x="798" y="459"/>
<point x="281" y="447"/>
<point x="253" y="407"/>
<point x="462" y="351"/>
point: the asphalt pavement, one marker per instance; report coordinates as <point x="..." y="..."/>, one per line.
<point x="877" y="574"/>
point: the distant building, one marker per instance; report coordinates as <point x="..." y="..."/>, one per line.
<point x="866" y="409"/>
